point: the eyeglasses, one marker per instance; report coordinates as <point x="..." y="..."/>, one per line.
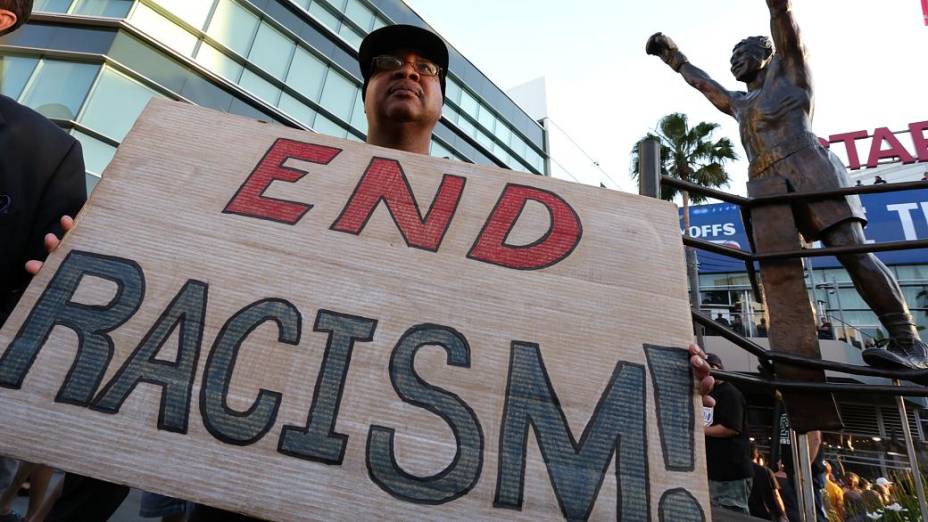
<point x="388" y="63"/>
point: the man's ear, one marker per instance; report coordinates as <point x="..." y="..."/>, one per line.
<point x="7" y="20"/>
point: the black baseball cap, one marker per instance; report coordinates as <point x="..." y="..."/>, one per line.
<point x="392" y="37"/>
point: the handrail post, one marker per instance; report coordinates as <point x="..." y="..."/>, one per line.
<point x="649" y="170"/>
<point x="910" y="452"/>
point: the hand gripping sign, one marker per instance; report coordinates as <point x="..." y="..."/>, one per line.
<point x="299" y="327"/>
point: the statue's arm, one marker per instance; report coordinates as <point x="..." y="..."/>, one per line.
<point x="663" y="47"/>
<point x="785" y="33"/>
<point x="711" y="89"/>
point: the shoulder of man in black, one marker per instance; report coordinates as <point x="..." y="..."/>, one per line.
<point x="41" y="179"/>
<point x="726" y="391"/>
<point x="729" y="407"/>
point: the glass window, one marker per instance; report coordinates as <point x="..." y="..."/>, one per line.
<point x="166" y="31"/>
<point x="114" y="104"/>
<point x="486" y="119"/>
<point x="465" y="125"/>
<point x="838" y="274"/>
<point x="453" y="91"/>
<point x="860" y="317"/>
<point x="510" y="161"/>
<point x="903" y="273"/>
<point x="260" y="87"/>
<point x="14" y="73"/>
<point x="58" y="88"/>
<point x="306" y="74"/>
<point x="351" y="36"/>
<point x="52" y="6"/>
<point x="97" y="154"/>
<point x="338" y="94"/>
<point x="915" y="296"/>
<point x="233" y="26"/>
<point x="194" y="13"/>
<point x="297" y="110"/>
<point x="502" y="132"/>
<point x="517" y="145"/>
<point x="105" y="8"/>
<point x="323" y="15"/>
<point x="468" y="103"/>
<point x="536" y="160"/>
<point x="338" y="4"/>
<point x="440" y="151"/>
<point x="484" y="140"/>
<point x="90" y="181"/>
<point x="358" y="117"/>
<point x="715" y="297"/>
<point x="326" y="126"/>
<point x="271" y="51"/>
<point x="358" y="13"/>
<point x="450" y="114"/>
<point x="217" y="62"/>
<point x="712" y="280"/>
<point x="378" y="23"/>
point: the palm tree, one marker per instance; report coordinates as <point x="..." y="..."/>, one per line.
<point x="688" y="153"/>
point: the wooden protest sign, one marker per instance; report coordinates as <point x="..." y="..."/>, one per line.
<point x="299" y="327"/>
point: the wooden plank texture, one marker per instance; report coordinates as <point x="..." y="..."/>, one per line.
<point x="231" y="323"/>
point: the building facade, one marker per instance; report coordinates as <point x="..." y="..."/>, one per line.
<point x="92" y="65"/>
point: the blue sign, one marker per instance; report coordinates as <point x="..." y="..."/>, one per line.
<point x="892" y="216"/>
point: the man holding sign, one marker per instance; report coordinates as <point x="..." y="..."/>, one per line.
<point x="403" y="76"/>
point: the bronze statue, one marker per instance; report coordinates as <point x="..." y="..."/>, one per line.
<point x="774" y="117"/>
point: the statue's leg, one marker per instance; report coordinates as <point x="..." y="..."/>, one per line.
<point x="873" y="280"/>
<point x="879" y="289"/>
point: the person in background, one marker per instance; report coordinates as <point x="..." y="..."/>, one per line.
<point x="787" y="493"/>
<point x="872" y="499"/>
<point x="855" y="509"/>
<point x="41" y="180"/>
<point x="878" y="180"/>
<point x="765" y="501"/>
<point x="834" y="494"/>
<point x="762" y="327"/>
<point x="737" y="325"/>
<point x="885" y="488"/>
<point x="727" y="448"/>
<point x="721" y="320"/>
<point x="826" y="330"/>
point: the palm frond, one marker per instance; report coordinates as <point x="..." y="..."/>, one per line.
<point x="688" y="153"/>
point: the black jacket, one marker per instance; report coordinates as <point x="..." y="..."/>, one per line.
<point x="41" y="179"/>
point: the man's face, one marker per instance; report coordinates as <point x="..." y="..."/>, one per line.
<point x="746" y="62"/>
<point x="403" y="95"/>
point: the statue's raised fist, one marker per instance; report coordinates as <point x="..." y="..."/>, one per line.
<point x="660" y="45"/>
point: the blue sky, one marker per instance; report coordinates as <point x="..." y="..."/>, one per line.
<point x="868" y="60"/>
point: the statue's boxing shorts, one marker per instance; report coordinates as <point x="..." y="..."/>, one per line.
<point x="806" y="166"/>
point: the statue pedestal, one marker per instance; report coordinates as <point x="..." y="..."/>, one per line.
<point x="792" y="319"/>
